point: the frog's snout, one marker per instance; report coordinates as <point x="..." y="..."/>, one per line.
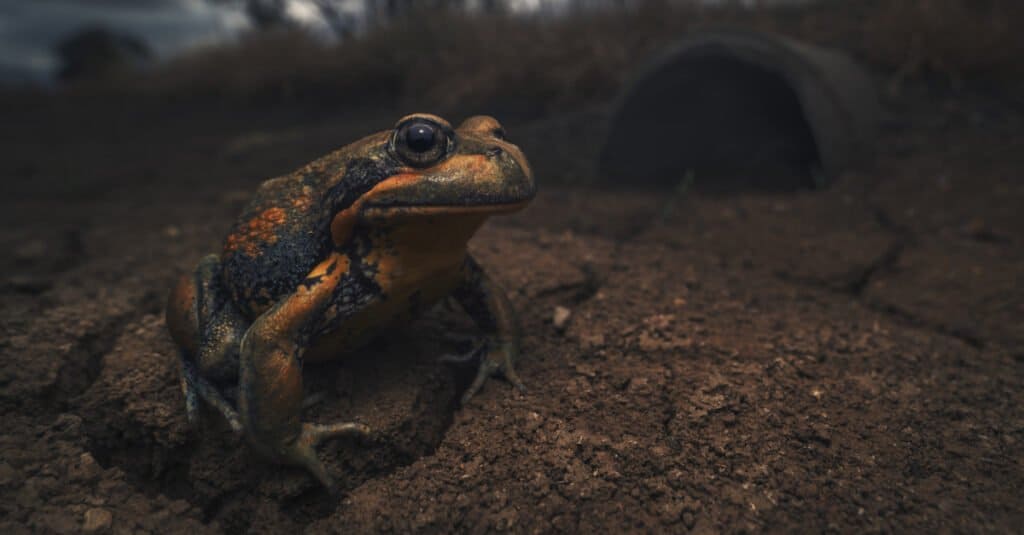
<point x="509" y="178"/>
<point x="513" y="179"/>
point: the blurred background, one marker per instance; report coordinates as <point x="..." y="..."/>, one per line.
<point x="277" y="82"/>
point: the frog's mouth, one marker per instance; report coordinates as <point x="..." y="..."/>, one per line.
<point x="374" y="211"/>
<point x="484" y="184"/>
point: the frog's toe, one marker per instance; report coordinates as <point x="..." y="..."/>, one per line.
<point x="490" y="367"/>
<point x="188" y="391"/>
<point x="191" y="402"/>
<point x="512" y="376"/>
<point x="302" y="452"/>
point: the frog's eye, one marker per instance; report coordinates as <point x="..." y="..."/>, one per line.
<point x="420" y="142"/>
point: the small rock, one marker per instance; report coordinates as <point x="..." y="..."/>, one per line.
<point x="67" y="424"/>
<point x="97" y="520"/>
<point x="560" y="319"/>
<point x="178" y="507"/>
<point x="86" y="469"/>
<point x="639" y="386"/>
<point x="587" y="370"/>
<point x="592" y="341"/>
<point x="172" y="231"/>
<point x="659" y="322"/>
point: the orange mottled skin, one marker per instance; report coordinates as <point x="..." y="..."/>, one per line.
<point x="260" y="229"/>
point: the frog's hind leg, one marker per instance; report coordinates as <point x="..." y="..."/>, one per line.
<point x="270" y="396"/>
<point x="208" y="328"/>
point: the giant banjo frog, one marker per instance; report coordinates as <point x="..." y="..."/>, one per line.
<point x="326" y="258"/>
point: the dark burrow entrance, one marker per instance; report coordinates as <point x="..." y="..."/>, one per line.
<point x="715" y="123"/>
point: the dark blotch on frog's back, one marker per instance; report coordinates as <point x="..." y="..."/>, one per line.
<point x="281" y="235"/>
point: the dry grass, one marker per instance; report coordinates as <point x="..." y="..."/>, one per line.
<point x="442" y="61"/>
<point x="447" y="61"/>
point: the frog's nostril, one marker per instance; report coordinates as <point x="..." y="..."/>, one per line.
<point x="494" y="152"/>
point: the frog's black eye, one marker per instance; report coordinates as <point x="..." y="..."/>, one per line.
<point x="420" y="142"/>
<point x="420" y="137"/>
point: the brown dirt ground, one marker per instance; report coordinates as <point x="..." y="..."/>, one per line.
<point x="843" y="360"/>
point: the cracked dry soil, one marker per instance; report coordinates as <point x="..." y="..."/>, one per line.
<point x="848" y="359"/>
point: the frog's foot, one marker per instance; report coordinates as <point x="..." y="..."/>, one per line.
<point x="302" y="452"/>
<point x="195" y="386"/>
<point x="493" y="362"/>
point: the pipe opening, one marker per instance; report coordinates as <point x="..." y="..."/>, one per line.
<point x="720" y="122"/>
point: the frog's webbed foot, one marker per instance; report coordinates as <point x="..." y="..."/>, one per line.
<point x="494" y="359"/>
<point x="302" y="452"/>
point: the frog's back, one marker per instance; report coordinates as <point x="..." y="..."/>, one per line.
<point x="275" y="242"/>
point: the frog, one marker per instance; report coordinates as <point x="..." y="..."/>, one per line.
<point x="334" y="255"/>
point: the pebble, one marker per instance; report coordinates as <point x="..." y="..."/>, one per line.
<point x="86" y="469"/>
<point x="97" y="520"/>
<point x="560" y="318"/>
<point x="178" y="507"/>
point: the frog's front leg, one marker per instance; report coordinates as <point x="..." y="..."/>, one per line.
<point x="270" y="389"/>
<point x="490" y="308"/>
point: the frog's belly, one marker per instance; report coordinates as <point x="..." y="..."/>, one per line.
<point x="399" y="302"/>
